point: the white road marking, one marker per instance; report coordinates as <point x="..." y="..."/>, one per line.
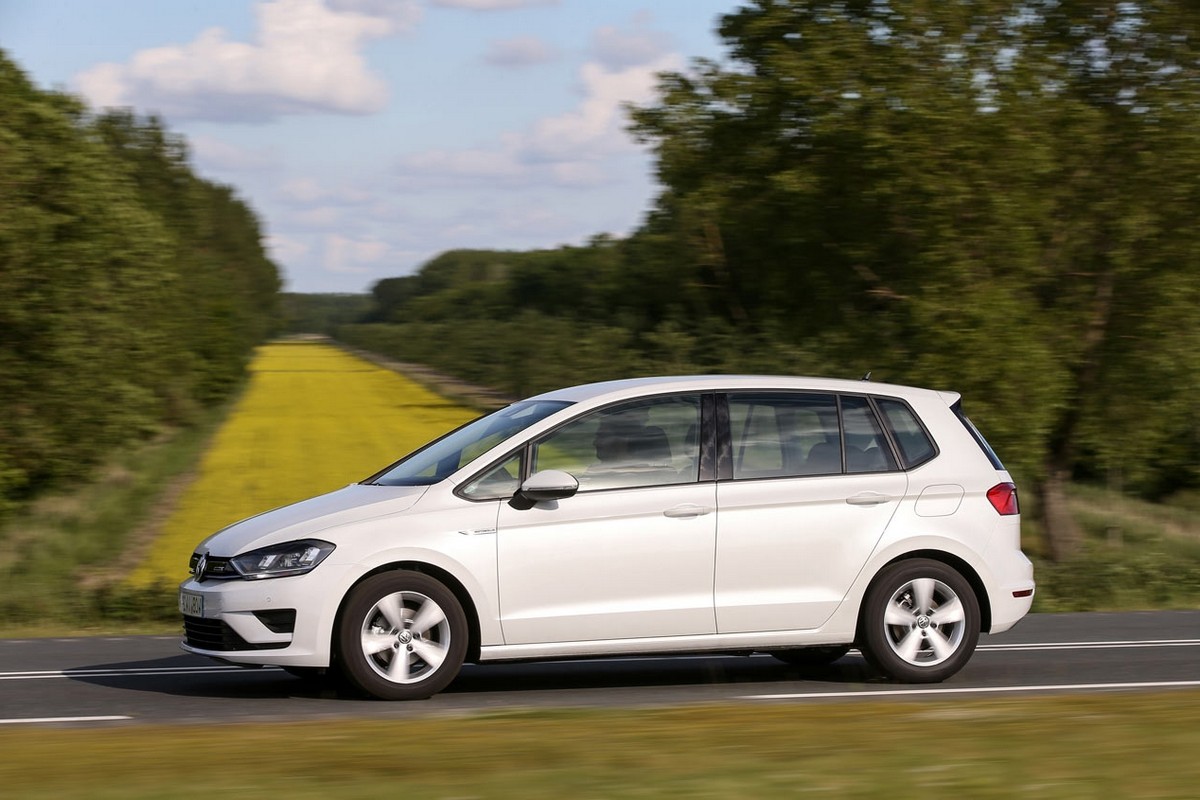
<point x="977" y="690"/>
<point x="1089" y="645"/>
<point x="45" y="720"/>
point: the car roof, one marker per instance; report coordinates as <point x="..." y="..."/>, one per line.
<point x="637" y="387"/>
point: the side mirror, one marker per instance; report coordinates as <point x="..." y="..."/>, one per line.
<point x="549" y="484"/>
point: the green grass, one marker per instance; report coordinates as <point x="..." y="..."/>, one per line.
<point x="1137" y="555"/>
<point x="63" y="558"/>
<point x="1065" y="747"/>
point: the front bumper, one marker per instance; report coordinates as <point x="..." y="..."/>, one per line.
<point x="280" y="621"/>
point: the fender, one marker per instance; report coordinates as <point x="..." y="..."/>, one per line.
<point x="845" y="617"/>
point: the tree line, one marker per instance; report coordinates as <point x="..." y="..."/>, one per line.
<point x="997" y="197"/>
<point x="132" y="291"/>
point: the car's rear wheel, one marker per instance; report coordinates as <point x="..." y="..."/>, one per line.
<point x="812" y="656"/>
<point x="401" y="636"/>
<point x="920" y="621"/>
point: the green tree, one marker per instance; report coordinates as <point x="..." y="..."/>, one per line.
<point x="227" y="297"/>
<point x="79" y="260"/>
<point x="131" y="290"/>
<point x="994" y="195"/>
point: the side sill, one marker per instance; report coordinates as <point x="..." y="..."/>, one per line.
<point x="771" y="640"/>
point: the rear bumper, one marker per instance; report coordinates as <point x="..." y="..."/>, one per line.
<point x="1013" y="598"/>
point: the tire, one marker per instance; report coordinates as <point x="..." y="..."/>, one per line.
<point x="401" y="636"/>
<point x="919" y="621"/>
<point x="812" y="656"/>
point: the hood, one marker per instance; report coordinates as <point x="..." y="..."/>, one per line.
<point x="308" y="518"/>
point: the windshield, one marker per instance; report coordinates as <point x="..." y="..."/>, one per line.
<point x="446" y="455"/>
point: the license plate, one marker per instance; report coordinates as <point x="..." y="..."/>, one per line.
<point x="191" y="604"/>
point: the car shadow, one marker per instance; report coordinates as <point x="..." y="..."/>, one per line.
<point x="188" y="676"/>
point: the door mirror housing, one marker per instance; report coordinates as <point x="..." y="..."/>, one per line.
<point x="544" y="486"/>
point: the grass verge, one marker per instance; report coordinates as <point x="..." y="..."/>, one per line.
<point x="62" y="558"/>
<point x="1137" y="555"/>
<point x="1049" y="747"/>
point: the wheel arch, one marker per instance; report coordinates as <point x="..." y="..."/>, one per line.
<point x="444" y="577"/>
<point x="959" y="565"/>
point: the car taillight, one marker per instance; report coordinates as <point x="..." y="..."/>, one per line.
<point x="1003" y="497"/>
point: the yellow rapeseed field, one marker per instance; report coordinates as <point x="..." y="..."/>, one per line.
<point x="313" y="419"/>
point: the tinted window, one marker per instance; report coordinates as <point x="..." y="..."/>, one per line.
<point x="978" y="437"/>
<point x="867" y="449"/>
<point x="500" y="481"/>
<point x="646" y="443"/>
<point x="446" y="455"/>
<point x="780" y="435"/>
<point x="915" y="445"/>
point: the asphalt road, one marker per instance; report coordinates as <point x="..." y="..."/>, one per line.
<point x="147" y="679"/>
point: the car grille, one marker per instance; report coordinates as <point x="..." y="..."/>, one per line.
<point x="213" y="634"/>
<point x="214" y="567"/>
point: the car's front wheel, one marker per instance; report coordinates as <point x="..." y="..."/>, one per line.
<point x="920" y="621"/>
<point x="401" y="636"/>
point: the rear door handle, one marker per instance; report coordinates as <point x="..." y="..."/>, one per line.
<point x="686" y="511"/>
<point x="867" y="499"/>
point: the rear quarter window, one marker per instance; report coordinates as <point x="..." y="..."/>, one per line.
<point x="910" y="435"/>
<point x="978" y="437"/>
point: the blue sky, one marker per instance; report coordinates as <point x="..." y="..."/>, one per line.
<point x="371" y="135"/>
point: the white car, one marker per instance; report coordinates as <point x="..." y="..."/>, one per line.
<point x="793" y="516"/>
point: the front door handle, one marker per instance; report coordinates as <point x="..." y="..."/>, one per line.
<point x="687" y="511"/>
<point x="867" y="499"/>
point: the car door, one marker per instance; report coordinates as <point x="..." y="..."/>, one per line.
<point x="813" y="484"/>
<point x="631" y="554"/>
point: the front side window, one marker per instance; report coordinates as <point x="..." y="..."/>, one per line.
<point x="501" y="481"/>
<point x="646" y="443"/>
<point x="441" y="458"/>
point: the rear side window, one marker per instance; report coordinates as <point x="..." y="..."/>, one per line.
<point x="913" y="442"/>
<point x="791" y="434"/>
<point x="784" y="435"/>
<point x="866" y="447"/>
<point x="978" y="437"/>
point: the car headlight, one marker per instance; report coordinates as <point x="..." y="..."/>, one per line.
<point x="281" y="560"/>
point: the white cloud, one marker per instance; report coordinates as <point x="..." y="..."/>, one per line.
<point x="520" y="51"/>
<point x="488" y="225"/>
<point x="579" y="173"/>
<point x="305" y="58"/>
<point x="596" y="126"/>
<point x="564" y="150"/>
<point x="451" y="166"/>
<point x="618" y="48"/>
<point x="320" y="217"/>
<point x="306" y="191"/>
<point x="215" y="154"/>
<point x="493" y="5"/>
<point x="285" y="249"/>
<point x="404" y="13"/>
<point x="352" y="256"/>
